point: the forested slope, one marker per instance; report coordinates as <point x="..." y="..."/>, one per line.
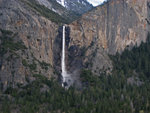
<point x="126" y="90"/>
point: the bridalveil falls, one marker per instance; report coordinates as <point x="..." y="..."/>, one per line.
<point x="65" y="75"/>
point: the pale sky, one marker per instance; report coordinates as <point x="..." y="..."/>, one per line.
<point x="96" y="2"/>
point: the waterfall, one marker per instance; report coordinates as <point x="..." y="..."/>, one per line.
<point x="63" y="66"/>
<point x="63" y="3"/>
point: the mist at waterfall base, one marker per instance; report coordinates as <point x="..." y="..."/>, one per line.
<point x="66" y="78"/>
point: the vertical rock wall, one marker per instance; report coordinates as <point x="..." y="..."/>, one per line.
<point x="110" y="28"/>
<point x="35" y="33"/>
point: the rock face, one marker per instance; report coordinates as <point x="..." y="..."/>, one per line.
<point x="26" y="44"/>
<point x="71" y="10"/>
<point x="52" y="5"/>
<point x="78" y="6"/>
<point x="116" y="25"/>
<point x="110" y="28"/>
<point x="58" y="8"/>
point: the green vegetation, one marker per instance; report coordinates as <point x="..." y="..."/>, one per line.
<point x="66" y="17"/>
<point x="6" y="32"/>
<point x="44" y="65"/>
<point x="138" y="59"/>
<point x="44" y="11"/>
<point x="8" y="43"/>
<point x="104" y="94"/>
<point x="40" y="78"/>
<point x="24" y="62"/>
<point x="32" y="66"/>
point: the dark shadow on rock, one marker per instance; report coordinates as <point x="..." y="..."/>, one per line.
<point x="57" y="48"/>
<point x="73" y="55"/>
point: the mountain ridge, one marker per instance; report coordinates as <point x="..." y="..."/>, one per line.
<point x="89" y="39"/>
<point x="107" y="56"/>
<point x="72" y="10"/>
<point x="107" y="29"/>
<point x="79" y="6"/>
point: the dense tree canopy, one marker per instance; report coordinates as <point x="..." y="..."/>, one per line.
<point x="126" y="90"/>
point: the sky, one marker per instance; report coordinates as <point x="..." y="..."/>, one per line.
<point x="96" y="2"/>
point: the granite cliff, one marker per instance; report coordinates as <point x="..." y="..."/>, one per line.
<point x="31" y="38"/>
<point x="78" y="6"/>
<point x="26" y="41"/>
<point x="107" y="29"/>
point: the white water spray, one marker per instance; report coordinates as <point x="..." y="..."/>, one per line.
<point x="63" y="2"/>
<point x="64" y="72"/>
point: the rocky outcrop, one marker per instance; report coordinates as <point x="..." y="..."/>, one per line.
<point x="78" y="6"/>
<point x="67" y="15"/>
<point x="31" y="44"/>
<point x="70" y="11"/>
<point x="116" y="25"/>
<point x="110" y="28"/>
<point x="21" y="26"/>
